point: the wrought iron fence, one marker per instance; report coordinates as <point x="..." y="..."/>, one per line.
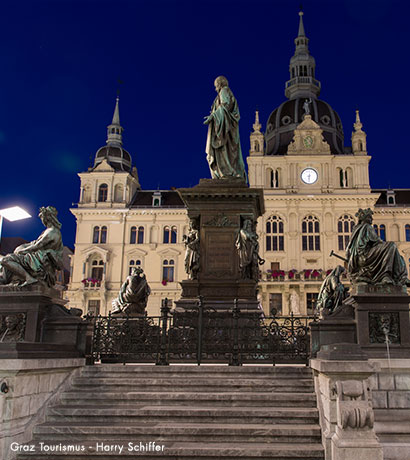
<point x="202" y="335"/>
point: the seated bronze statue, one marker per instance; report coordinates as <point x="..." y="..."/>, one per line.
<point x="372" y="260"/>
<point x="133" y="296"/>
<point x="332" y="292"/>
<point x="37" y="261"/>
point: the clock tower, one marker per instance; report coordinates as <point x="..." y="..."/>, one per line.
<point x="313" y="185"/>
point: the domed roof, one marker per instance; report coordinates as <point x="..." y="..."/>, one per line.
<point x="116" y="156"/>
<point x="283" y="121"/>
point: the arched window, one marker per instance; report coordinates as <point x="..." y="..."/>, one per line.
<point x="100" y="234"/>
<point x="360" y="146"/>
<point x="380" y="230"/>
<point x="407" y="229"/>
<point x="96" y="235"/>
<point x="103" y="235"/>
<point x="168" y="267"/>
<point x="274" y="234"/>
<point x="343" y="178"/>
<point x="133" y="235"/>
<point x="97" y="269"/>
<point x="256" y="146"/>
<point x="344" y="229"/>
<point x="173" y="235"/>
<point x="274" y="178"/>
<point x="133" y="264"/>
<point x="103" y="192"/>
<point x="310" y="234"/>
<point x="167" y="232"/>
<point x="140" y="239"/>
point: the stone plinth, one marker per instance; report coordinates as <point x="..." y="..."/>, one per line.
<point x="220" y="207"/>
<point x="382" y="311"/>
<point x="339" y="327"/>
<point x="45" y="329"/>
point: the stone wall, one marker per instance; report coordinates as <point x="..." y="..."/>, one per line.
<point x="27" y="386"/>
<point x="391" y="401"/>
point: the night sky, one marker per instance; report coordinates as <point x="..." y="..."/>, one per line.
<point x="61" y="61"/>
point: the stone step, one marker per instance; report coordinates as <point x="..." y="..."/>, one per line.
<point x="203" y="432"/>
<point x="190" y="451"/>
<point x="261" y="415"/>
<point x="194" y="383"/>
<point x="178" y="370"/>
<point x="187" y="398"/>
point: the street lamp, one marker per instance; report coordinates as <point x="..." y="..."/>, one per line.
<point x="12" y="214"/>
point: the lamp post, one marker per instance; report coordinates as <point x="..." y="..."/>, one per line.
<point x="12" y="214"/>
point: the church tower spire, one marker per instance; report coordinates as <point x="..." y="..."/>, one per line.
<point x="302" y="66"/>
<point x="114" y="130"/>
<point x="358" y="137"/>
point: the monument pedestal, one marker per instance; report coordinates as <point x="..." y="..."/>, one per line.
<point x="219" y="207"/>
<point x="35" y="324"/>
<point x="382" y="315"/>
<point x="340" y="327"/>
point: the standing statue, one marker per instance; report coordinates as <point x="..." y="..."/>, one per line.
<point x="332" y="292"/>
<point x="192" y="250"/>
<point x="306" y="106"/>
<point x="248" y="249"/>
<point x="38" y="260"/>
<point x="372" y="260"/>
<point x="223" y="146"/>
<point x="133" y="296"/>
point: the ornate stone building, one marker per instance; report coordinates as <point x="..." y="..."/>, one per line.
<point x="313" y="185"/>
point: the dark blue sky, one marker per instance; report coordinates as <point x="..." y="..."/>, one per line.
<point x="61" y="61"/>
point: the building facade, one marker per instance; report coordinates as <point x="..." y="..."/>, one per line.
<point x="313" y="185"/>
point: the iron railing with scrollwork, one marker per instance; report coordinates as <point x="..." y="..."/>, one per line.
<point x="202" y="335"/>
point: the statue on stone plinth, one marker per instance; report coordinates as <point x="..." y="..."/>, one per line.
<point x="332" y="292"/>
<point x="372" y="260"/>
<point x="38" y="260"/>
<point x="192" y="248"/>
<point x="223" y="145"/>
<point x="12" y="329"/>
<point x="248" y="249"/>
<point x="133" y="296"/>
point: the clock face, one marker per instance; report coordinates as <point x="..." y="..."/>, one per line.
<point x="309" y="176"/>
<point x="308" y="142"/>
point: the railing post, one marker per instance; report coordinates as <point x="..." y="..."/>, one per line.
<point x="200" y="329"/>
<point x="235" y="357"/>
<point x="163" y="349"/>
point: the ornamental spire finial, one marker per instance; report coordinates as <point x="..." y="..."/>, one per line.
<point x="114" y="130"/>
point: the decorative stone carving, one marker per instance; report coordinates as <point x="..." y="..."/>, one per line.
<point x="12" y="328"/>
<point x="220" y="220"/>
<point x="384" y="327"/>
<point x="294" y="302"/>
<point x="308" y="136"/>
<point x="354" y="409"/>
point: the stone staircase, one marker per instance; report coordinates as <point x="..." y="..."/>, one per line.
<point x="206" y="412"/>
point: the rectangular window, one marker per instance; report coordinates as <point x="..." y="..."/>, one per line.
<point x="268" y="243"/>
<point x="311" y="298"/>
<point x="275" y="304"/>
<point x="94" y="307"/>
<point x="340" y="238"/>
<point x="304" y="243"/>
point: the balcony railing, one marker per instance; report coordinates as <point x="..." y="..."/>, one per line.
<point x="302" y="80"/>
